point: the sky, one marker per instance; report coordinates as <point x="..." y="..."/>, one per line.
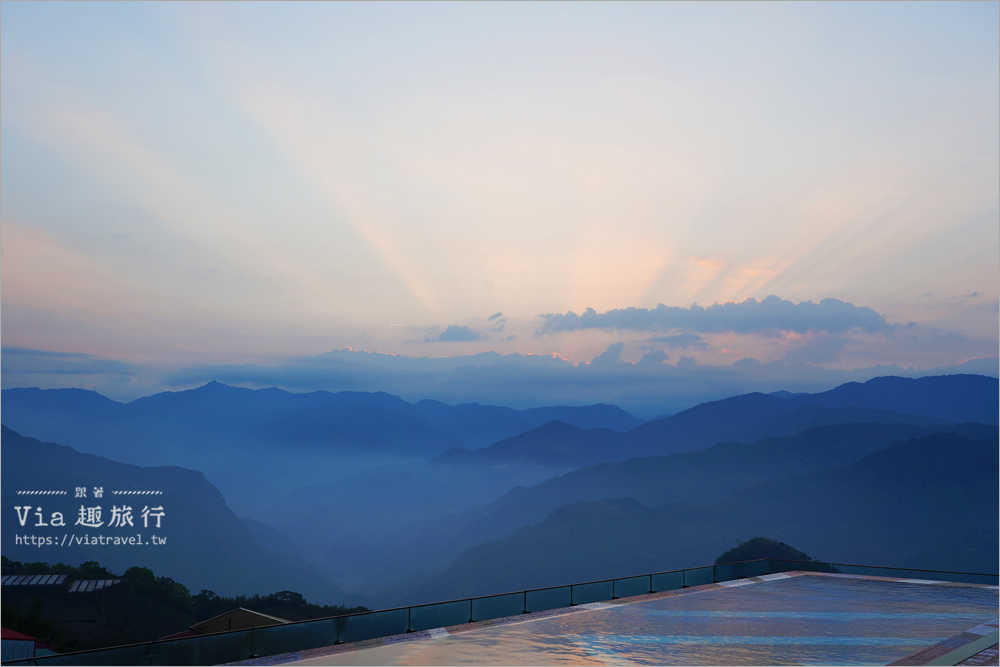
<point x="517" y="203"/>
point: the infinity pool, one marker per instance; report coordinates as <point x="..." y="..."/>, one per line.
<point x="774" y="620"/>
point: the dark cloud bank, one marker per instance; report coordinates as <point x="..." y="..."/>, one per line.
<point x="456" y="333"/>
<point x="749" y="316"/>
<point x="659" y="383"/>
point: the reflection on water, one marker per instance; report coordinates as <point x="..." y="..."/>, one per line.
<point x="800" y="620"/>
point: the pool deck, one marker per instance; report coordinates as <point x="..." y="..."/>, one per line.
<point x="976" y="646"/>
<point x="790" y="618"/>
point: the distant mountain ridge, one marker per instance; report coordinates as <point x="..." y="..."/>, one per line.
<point x="553" y="443"/>
<point x="259" y="443"/>
<point x="374" y="487"/>
<point x="207" y="545"/>
<point x="696" y="478"/>
<point x="474" y="425"/>
<point x="926" y="503"/>
<point x="957" y="398"/>
<point x="750" y="417"/>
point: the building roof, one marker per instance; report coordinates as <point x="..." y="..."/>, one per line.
<point x="89" y="585"/>
<point x="14" y="635"/>
<point x="237" y="619"/>
<point x="32" y="579"/>
<point x="181" y="635"/>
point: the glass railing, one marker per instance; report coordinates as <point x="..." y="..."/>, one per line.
<point x="238" y="645"/>
<point x="892" y="572"/>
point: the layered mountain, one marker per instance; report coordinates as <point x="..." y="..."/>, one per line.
<point x="923" y="503"/>
<point x="258" y="444"/>
<point x="204" y="544"/>
<point x="388" y="505"/>
<point x="555" y="443"/>
<point x="957" y="398"/>
<point x="155" y="429"/>
<point x="750" y="417"/>
<point x="358" y="417"/>
<point x="381" y="490"/>
<point x="702" y="476"/>
<point x="481" y="425"/>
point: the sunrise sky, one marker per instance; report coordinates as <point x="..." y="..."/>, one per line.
<point x="191" y="189"/>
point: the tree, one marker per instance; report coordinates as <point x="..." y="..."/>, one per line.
<point x="761" y="547"/>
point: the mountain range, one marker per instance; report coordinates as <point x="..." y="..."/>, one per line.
<point x="925" y="503"/>
<point x="700" y="477"/>
<point x="749" y="417"/>
<point x="397" y="502"/>
<point x="258" y="444"/>
<point x="206" y="544"/>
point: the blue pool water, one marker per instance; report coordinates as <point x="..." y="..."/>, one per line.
<point x="807" y="619"/>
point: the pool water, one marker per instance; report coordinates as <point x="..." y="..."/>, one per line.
<point x="779" y="619"/>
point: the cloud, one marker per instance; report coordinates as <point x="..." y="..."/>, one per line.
<point x="818" y="350"/>
<point x="45" y="353"/>
<point x="612" y="355"/>
<point x="25" y="361"/>
<point x="457" y="333"/>
<point x="500" y="322"/>
<point x="24" y="367"/>
<point x="772" y="315"/>
<point x="653" y="358"/>
<point x="680" y="340"/>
